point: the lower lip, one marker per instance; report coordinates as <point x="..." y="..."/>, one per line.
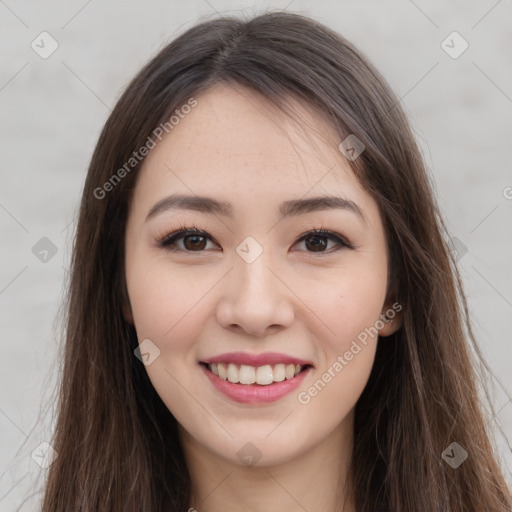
<point x="255" y="393"/>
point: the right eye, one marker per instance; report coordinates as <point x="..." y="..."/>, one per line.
<point x="186" y="240"/>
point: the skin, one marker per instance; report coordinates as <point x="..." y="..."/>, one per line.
<point x="235" y="147"/>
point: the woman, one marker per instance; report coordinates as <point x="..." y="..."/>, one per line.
<point x="263" y="310"/>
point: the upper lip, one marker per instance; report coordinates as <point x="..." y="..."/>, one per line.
<point x="267" y="358"/>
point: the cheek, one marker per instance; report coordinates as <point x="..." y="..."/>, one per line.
<point x="354" y="308"/>
<point x="167" y="302"/>
<point x="347" y="301"/>
<point x="349" y="312"/>
<point x="169" y="307"/>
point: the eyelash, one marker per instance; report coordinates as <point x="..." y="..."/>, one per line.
<point x="166" y="241"/>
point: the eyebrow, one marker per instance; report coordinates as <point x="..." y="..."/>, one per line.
<point x="287" y="208"/>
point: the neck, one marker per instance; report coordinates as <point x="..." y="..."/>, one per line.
<point x="316" y="479"/>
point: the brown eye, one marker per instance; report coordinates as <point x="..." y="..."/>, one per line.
<point x="194" y="242"/>
<point x="186" y="240"/>
<point x="323" y="241"/>
<point x="316" y="243"/>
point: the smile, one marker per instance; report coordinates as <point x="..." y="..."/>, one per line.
<point x="261" y="375"/>
<point x="255" y="383"/>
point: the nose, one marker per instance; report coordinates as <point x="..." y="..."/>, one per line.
<point x="254" y="299"/>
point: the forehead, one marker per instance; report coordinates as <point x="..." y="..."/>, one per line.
<point x="236" y="141"/>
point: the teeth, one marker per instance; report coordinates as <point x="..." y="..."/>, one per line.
<point x="223" y="371"/>
<point x="290" y="371"/>
<point x="262" y="375"/>
<point x="233" y="374"/>
<point x="247" y="374"/>
<point x="279" y="373"/>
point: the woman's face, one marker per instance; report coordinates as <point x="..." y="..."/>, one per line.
<point x="255" y="289"/>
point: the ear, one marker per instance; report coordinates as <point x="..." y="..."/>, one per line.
<point x="127" y="313"/>
<point x="126" y="307"/>
<point x="391" y="318"/>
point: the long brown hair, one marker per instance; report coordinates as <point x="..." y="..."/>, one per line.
<point x="117" y="443"/>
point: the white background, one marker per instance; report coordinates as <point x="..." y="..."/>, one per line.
<point x="53" y="109"/>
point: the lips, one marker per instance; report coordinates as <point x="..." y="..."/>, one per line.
<point x="262" y="369"/>
<point x="251" y="378"/>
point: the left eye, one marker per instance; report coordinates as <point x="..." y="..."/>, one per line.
<point x="193" y="240"/>
<point x="318" y="241"/>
